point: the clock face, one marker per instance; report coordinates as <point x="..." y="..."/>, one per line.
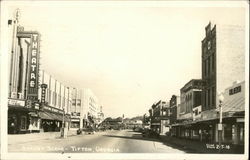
<point x="208" y="45"/>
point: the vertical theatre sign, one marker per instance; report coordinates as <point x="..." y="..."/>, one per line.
<point x="33" y="68"/>
<point x="33" y="63"/>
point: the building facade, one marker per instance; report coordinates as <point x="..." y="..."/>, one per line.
<point x="76" y="108"/>
<point x="36" y="102"/>
<point x="160" y="117"/>
<point x="190" y="101"/>
<point x="222" y="72"/>
<point x="174" y="111"/>
<point x="223" y="62"/>
<point x="23" y="100"/>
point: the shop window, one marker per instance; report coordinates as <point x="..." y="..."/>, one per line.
<point x="241" y="135"/>
<point x="228" y="132"/>
<point x="23" y="123"/>
<point x="75" y="125"/>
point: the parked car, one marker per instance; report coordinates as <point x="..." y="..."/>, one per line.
<point x="137" y="129"/>
<point x="89" y="131"/>
<point x="150" y="133"/>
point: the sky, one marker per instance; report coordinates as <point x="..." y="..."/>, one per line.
<point x="130" y="56"/>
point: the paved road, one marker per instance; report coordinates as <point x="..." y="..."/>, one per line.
<point x="124" y="141"/>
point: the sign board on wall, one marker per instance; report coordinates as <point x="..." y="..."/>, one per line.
<point x="16" y="102"/>
<point x="33" y="68"/>
<point x="43" y="86"/>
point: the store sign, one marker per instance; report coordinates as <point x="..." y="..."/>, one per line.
<point x="235" y="90"/>
<point x="48" y="108"/>
<point x="16" y="102"/>
<point x="240" y="120"/>
<point x="33" y="68"/>
<point x="43" y="87"/>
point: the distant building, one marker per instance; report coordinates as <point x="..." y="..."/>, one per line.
<point x="91" y="108"/>
<point x="173" y="105"/>
<point x="76" y="108"/>
<point x="159" y="117"/>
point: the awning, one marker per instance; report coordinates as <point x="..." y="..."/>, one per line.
<point x="155" y="124"/>
<point x="57" y="117"/>
<point x="53" y="116"/>
<point x="33" y="114"/>
<point x="44" y="115"/>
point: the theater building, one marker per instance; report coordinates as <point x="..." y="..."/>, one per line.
<point x="24" y="55"/>
<point x="36" y="101"/>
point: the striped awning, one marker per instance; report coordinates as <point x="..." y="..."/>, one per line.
<point x="44" y="115"/>
<point x="234" y="104"/>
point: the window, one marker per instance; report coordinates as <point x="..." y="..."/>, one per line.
<point x="213" y="96"/>
<point x="55" y="98"/>
<point x="208" y="67"/>
<point x="205" y="68"/>
<point x="209" y="97"/>
<point x="23" y="123"/>
<point x="205" y="99"/>
<point x="212" y="62"/>
<point x="228" y="132"/>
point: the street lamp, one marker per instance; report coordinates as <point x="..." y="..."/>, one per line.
<point x="63" y="134"/>
<point x="221" y="99"/>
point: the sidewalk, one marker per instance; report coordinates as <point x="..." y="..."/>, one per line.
<point x="193" y="146"/>
<point x="29" y="137"/>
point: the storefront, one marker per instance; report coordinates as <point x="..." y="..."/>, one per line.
<point x="52" y="119"/>
<point x="22" y="118"/>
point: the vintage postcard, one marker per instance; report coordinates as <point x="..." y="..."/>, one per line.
<point x="124" y="79"/>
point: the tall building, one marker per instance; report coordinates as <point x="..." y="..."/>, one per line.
<point x="24" y="58"/>
<point x="36" y="102"/>
<point x="223" y="61"/>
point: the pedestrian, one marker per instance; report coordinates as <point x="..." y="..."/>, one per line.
<point x="30" y="127"/>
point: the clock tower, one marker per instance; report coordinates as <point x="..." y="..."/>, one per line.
<point x="209" y="68"/>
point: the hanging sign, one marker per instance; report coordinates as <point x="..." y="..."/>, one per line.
<point x="33" y="68"/>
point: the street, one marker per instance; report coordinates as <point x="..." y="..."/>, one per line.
<point x="112" y="141"/>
